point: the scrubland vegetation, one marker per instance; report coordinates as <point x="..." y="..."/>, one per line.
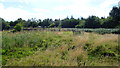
<point x="91" y="41"/>
<point x="46" y="48"/>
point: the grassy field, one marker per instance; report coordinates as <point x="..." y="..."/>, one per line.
<point x="46" y="48"/>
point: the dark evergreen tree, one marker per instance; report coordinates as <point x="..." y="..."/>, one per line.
<point x="92" y="22"/>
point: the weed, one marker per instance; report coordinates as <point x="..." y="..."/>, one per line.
<point x="64" y="55"/>
<point x="81" y="60"/>
<point x="41" y="48"/>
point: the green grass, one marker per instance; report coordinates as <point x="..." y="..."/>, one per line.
<point x="45" y="48"/>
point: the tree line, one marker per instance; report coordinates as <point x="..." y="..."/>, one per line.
<point x="112" y="21"/>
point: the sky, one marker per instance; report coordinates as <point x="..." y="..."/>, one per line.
<point x="11" y="10"/>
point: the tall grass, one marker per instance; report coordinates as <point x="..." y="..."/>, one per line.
<point x="32" y="39"/>
<point x="14" y="45"/>
<point x="59" y="49"/>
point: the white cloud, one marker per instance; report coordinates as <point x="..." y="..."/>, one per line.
<point x="107" y="3"/>
<point x="40" y="10"/>
<point x="84" y="8"/>
<point x="2" y="0"/>
<point x="76" y="8"/>
<point x="15" y="13"/>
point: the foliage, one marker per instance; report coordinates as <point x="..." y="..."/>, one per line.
<point x="103" y="31"/>
<point x="81" y="24"/>
<point x="18" y="27"/>
<point x="15" y="53"/>
<point x="81" y="60"/>
<point x="46" y="22"/>
<point x="18" y="45"/>
<point x="7" y="27"/>
<point x="92" y="22"/>
<point x="52" y="25"/>
<point x="62" y="48"/>
<point x="69" y="23"/>
<point x="112" y="21"/>
<point x="115" y="14"/>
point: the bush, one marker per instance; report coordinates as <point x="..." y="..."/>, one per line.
<point x="64" y="55"/>
<point x="86" y="46"/>
<point x="52" y="25"/>
<point x="96" y="51"/>
<point x="18" y="27"/>
<point x="108" y="53"/>
<point x="78" y="26"/>
<point x="81" y="60"/>
<point x="7" y="27"/>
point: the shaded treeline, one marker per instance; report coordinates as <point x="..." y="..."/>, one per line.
<point x="112" y="21"/>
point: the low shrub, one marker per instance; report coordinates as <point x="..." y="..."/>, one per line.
<point x="96" y="51"/>
<point x="18" y="27"/>
<point x="87" y="46"/>
<point x="64" y="55"/>
<point x="15" y="53"/>
<point x="81" y="60"/>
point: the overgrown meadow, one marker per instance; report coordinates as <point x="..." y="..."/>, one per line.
<point x="64" y="48"/>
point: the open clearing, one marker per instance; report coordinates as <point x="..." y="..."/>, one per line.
<point x="45" y="48"/>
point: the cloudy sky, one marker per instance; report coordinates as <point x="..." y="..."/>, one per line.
<point x="55" y="9"/>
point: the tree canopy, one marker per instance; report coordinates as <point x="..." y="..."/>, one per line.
<point x="112" y="21"/>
